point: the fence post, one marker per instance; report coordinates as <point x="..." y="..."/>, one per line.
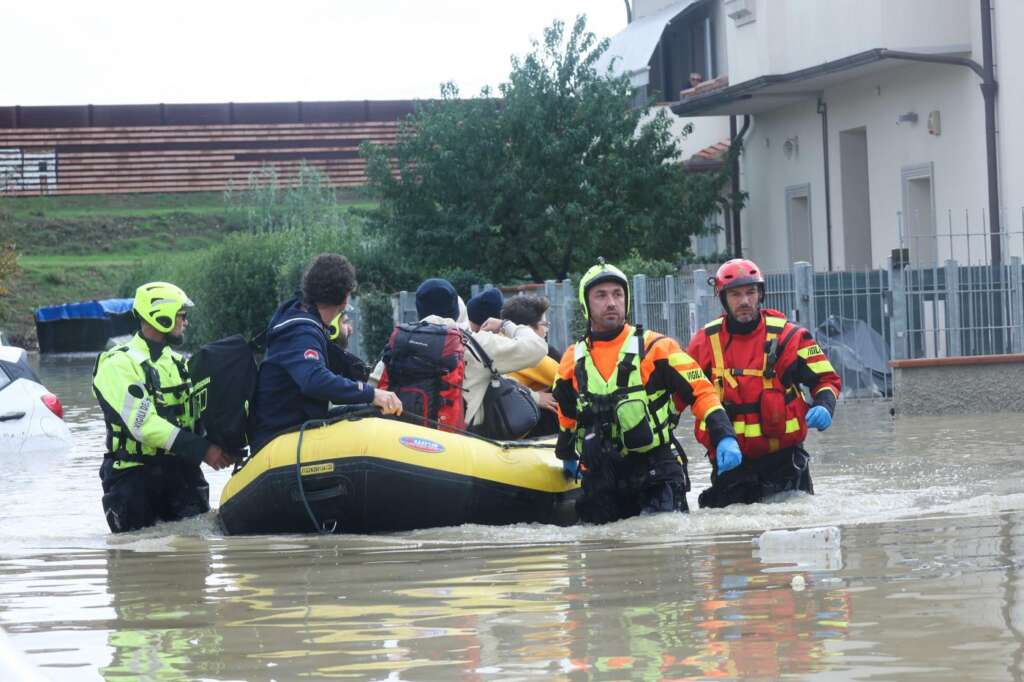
<point x="898" y="296"/>
<point x="556" y="314"/>
<point x="1016" y="306"/>
<point x="639" y="299"/>
<point x="474" y="289"/>
<point x="569" y="305"/>
<point x="699" y="310"/>
<point x="953" y="326"/>
<point x="398" y="307"/>
<point x="803" y="294"/>
<point x="670" y="307"/>
<point x="355" y="340"/>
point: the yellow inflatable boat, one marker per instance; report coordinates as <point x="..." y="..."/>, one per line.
<point x="374" y="475"/>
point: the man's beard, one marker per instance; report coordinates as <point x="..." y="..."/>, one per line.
<point x="174" y="340"/>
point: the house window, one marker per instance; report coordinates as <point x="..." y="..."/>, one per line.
<point x="684" y="56"/>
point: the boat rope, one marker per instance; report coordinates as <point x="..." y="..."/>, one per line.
<point x="321" y="528"/>
<point x="355" y="415"/>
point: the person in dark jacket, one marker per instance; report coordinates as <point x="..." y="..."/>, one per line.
<point x="295" y="383"/>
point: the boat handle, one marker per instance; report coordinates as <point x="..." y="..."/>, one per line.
<point x="320" y="495"/>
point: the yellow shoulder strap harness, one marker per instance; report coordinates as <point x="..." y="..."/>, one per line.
<point x="773" y="326"/>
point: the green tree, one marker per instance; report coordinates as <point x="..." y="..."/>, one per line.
<point x="537" y="183"/>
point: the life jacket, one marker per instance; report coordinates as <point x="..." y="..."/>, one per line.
<point x="766" y="414"/>
<point x="638" y="421"/>
<point x="224" y="380"/>
<point x="167" y="382"/>
<point x="424" y="366"/>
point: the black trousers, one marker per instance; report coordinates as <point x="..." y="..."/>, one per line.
<point x="166" y="489"/>
<point x="621" y="487"/>
<point x="759" y="478"/>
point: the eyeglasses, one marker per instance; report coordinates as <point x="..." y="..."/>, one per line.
<point x="544" y="323"/>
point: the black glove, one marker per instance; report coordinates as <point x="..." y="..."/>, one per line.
<point x="565" y="446"/>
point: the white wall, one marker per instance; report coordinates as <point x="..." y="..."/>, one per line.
<point x="766" y="173"/>
<point x="873" y="102"/>
<point x="788" y="35"/>
<point x="707" y="130"/>
<point x="1008" y="19"/>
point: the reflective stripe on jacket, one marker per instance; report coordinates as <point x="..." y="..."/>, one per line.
<point x="776" y="356"/>
<point x="145" y="403"/>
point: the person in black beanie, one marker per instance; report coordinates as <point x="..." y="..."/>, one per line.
<point x="484" y="306"/>
<point x="511" y="347"/>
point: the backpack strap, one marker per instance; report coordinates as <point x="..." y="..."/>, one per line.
<point x="478" y="352"/>
<point x="258" y="341"/>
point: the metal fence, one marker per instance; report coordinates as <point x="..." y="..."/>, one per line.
<point x="917" y="307"/>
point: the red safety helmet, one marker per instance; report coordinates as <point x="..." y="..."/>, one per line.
<point x="737" y="272"/>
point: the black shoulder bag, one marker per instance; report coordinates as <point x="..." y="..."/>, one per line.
<point x="510" y="412"/>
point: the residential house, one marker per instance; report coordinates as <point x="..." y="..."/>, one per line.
<point x="863" y="122"/>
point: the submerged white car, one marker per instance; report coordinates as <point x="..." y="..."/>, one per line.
<point x="31" y="418"/>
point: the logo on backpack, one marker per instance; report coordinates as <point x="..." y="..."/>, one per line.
<point x="424" y="366"/>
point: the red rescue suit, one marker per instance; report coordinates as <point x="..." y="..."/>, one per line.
<point x="758" y="376"/>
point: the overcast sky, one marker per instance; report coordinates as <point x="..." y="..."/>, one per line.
<point x="138" y="51"/>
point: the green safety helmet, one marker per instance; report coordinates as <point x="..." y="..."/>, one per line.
<point x="602" y="272"/>
<point x="158" y="303"/>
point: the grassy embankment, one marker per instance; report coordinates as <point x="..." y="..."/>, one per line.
<point x="77" y="248"/>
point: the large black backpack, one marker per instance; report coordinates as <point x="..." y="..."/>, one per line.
<point x="223" y="382"/>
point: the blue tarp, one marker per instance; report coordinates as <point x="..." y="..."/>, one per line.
<point x="96" y="310"/>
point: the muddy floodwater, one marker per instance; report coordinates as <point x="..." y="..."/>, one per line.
<point x="914" y="574"/>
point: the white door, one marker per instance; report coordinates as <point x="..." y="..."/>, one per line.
<point x="798" y="224"/>
<point x="919" y="232"/>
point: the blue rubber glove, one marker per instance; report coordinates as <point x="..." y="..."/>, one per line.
<point x="818" y="417"/>
<point x="727" y="454"/>
<point x="571" y="468"/>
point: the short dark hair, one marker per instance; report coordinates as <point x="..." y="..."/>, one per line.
<point x="328" y="280"/>
<point x="525" y="309"/>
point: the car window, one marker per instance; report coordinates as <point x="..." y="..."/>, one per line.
<point x="19" y="370"/>
<point x="5" y="379"/>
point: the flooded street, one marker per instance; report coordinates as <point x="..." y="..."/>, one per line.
<point x="923" y="581"/>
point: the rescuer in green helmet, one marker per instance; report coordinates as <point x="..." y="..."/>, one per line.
<point x="619" y="392"/>
<point x="150" y="471"/>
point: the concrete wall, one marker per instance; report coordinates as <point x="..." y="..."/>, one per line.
<point x="787" y="35"/>
<point x="980" y="385"/>
<point x="1008" y="19"/>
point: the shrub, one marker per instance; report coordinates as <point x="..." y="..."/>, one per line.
<point x="236" y="287"/>
<point x="267" y="205"/>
